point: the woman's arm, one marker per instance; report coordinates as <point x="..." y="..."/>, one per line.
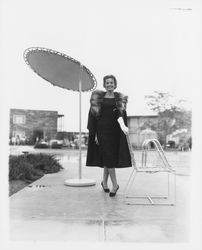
<point x="122" y="125"/>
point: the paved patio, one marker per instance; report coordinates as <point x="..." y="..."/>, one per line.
<point x="49" y="210"/>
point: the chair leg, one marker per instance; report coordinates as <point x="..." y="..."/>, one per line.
<point x="153" y="199"/>
<point x="130" y="182"/>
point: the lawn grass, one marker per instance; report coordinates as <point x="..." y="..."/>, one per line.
<point x="17" y="185"/>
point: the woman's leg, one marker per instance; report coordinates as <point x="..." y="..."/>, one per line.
<point x="105" y="177"/>
<point x="112" y="174"/>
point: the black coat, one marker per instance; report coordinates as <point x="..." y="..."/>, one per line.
<point x="94" y="155"/>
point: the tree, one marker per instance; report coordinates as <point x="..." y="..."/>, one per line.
<point x="171" y="114"/>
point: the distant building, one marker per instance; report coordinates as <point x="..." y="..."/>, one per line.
<point x="32" y="125"/>
<point x="137" y="131"/>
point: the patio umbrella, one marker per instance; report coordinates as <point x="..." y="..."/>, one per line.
<point x="65" y="72"/>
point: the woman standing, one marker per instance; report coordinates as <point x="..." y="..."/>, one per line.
<point x="107" y="125"/>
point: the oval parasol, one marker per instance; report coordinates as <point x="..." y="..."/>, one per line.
<point x="65" y="72"/>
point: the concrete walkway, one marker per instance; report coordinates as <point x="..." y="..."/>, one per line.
<point x="51" y="211"/>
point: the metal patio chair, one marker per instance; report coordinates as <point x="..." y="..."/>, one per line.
<point x="163" y="167"/>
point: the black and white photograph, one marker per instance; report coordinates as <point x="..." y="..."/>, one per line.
<point x="100" y="124"/>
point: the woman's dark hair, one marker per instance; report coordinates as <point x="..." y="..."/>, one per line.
<point x="110" y="76"/>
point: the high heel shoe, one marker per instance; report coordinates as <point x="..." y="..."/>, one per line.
<point x="105" y="189"/>
<point x="112" y="194"/>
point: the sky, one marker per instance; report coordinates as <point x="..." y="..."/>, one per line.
<point x="148" y="45"/>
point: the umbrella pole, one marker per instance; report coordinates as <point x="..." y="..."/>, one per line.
<point x="80" y="156"/>
<point x="80" y="182"/>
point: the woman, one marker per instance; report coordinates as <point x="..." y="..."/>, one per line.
<point x="107" y="125"/>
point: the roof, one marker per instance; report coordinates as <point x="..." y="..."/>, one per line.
<point x="33" y="110"/>
<point x="139" y="116"/>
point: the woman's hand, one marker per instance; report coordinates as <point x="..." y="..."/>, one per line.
<point x="96" y="140"/>
<point x="123" y="126"/>
<point x="124" y="129"/>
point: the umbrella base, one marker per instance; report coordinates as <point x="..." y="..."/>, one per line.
<point x="80" y="182"/>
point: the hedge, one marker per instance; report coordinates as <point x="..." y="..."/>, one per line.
<point x="32" y="166"/>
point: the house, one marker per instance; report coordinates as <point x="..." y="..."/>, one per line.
<point x="32" y="125"/>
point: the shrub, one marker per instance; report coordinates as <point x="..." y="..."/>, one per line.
<point x="20" y="169"/>
<point x="32" y="166"/>
<point x="45" y="162"/>
<point x="41" y="145"/>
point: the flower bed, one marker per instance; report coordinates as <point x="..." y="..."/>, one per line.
<point x="25" y="169"/>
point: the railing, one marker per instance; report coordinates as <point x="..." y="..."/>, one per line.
<point x="160" y="151"/>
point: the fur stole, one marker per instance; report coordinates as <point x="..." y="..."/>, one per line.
<point x="97" y="98"/>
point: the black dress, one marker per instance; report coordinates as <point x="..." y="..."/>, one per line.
<point x="112" y="150"/>
<point x="108" y="133"/>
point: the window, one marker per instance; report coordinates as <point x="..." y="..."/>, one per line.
<point x="19" y="119"/>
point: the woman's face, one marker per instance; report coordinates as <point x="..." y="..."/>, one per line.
<point x="109" y="84"/>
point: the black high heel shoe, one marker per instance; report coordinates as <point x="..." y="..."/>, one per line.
<point x="112" y="194"/>
<point x="105" y="189"/>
